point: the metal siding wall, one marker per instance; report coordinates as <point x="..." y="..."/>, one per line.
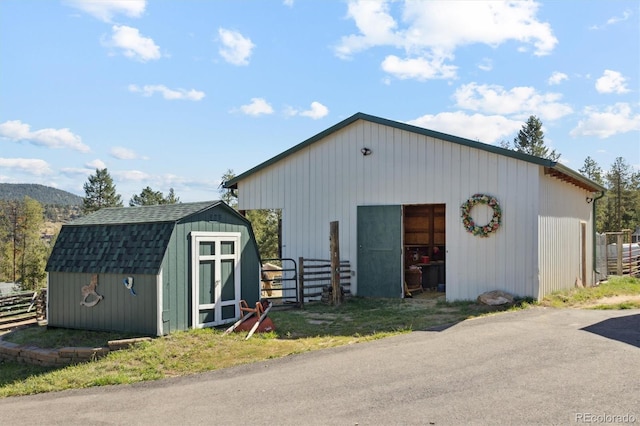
<point x="329" y="179"/>
<point x="118" y="311"/>
<point x="562" y="208"/>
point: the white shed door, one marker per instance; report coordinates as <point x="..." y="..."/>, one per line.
<point x="215" y="271"/>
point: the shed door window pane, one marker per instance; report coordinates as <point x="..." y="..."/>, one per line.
<point x="207" y="248"/>
<point x="227" y="247"/>
<point x="207" y="289"/>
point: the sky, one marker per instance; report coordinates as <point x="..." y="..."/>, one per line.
<point x="173" y="94"/>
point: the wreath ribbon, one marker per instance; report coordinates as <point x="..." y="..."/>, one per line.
<point x="468" y="222"/>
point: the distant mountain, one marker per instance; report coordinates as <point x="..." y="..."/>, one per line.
<point x="42" y="194"/>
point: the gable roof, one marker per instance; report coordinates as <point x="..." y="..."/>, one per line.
<point x="552" y="168"/>
<point x="120" y="240"/>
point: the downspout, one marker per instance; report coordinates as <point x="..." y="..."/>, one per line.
<point x="593" y="226"/>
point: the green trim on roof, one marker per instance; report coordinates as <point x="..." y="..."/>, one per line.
<point x="588" y="184"/>
<point x="143" y="214"/>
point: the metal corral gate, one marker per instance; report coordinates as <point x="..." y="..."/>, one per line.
<point x="279" y="282"/>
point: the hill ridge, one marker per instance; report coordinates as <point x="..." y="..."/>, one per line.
<point x="41" y="193"/>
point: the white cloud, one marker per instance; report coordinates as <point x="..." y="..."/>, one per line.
<point x="316" y="111"/>
<point x="612" y="120"/>
<point x="122" y="153"/>
<point x="613" y="20"/>
<point x="477" y="127"/>
<point x="133" y="45"/>
<point x="433" y="30"/>
<point x="169" y="94"/>
<point x="258" y="106"/>
<point x="486" y="64"/>
<point x="518" y="101"/>
<point x="96" y="164"/>
<point x="611" y="82"/>
<point x="130" y="175"/>
<point x="16" y="130"/>
<point x="32" y="166"/>
<point x="105" y="10"/>
<point x="557" y="78"/>
<point x="418" y="68"/>
<point x="236" y="49"/>
<point x="288" y="3"/>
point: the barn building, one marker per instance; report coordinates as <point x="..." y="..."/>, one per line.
<point x="471" y="217"/>
<point x="153" y="270"/>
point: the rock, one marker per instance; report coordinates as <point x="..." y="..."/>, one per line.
<point x="495" y="298"/>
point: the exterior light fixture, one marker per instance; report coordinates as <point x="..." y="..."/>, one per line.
<point x="365" y="151"/>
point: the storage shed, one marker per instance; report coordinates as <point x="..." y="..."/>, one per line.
<point x="153" y="270"/>
<point x="467" y="216"/>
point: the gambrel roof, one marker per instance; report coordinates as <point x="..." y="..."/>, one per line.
<point x="552" y="168"/>
<point x="121" y="240"/>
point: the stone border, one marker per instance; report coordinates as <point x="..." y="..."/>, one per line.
<point x="34" y="355"/>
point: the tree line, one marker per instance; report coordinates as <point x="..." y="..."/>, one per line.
<point x="619" y="207"/>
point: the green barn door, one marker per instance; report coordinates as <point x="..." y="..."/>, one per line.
<point x="380" y="251"/>
<point x="216" y="278"/>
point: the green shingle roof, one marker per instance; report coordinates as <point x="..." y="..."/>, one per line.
<point x="124" y="240"/>
<point x="143" y="214"/>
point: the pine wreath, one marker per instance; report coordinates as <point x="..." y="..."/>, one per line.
<point x="468" y="222"/>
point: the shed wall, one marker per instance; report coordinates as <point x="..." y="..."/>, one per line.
<point x="562" y="210"/>
<point x="176" y="267"/>
<point x="327" y="180"/>
<point x="118" y="311"/>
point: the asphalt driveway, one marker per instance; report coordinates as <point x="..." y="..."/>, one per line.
<point x="539" y="366"/>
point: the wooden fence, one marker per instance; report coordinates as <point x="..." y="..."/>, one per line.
<point x="314" y="278"/>
<point x="22" y="308"/>
<point x="622" y="256"/>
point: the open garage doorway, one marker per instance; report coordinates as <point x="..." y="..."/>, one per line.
<point x="424" y="247"/>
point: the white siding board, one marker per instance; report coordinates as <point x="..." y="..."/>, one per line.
<point x="562" y="209"/>
<point x="327" y="180"/>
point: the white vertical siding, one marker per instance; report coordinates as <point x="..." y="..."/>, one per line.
<point x="328" y="179"/>
<point x="562" y="210"/>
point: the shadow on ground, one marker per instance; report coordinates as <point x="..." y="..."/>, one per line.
<point x="623" y="329"/>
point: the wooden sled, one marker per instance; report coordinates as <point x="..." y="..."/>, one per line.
<point x="253" y="319"/>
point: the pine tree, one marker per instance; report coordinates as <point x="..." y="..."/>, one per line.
<point x="530" y="140"/>
<point x="229" y="196"/>
<point x="23" y="253"/>
<point x="621" y="200"/>
<point x="592" y="170"/>
<point x="149" y="197"/>
<point x="100" y="192"/>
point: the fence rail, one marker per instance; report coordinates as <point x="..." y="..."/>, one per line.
<point x="622" y="256"/>
<point x="315" y="277"/>
<point x="21" y="308"/>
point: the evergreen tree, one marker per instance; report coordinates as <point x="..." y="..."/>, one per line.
<point x="621" y="201"/>
<point x="592" y="170"/>
<point x="100" y="192"/>
<point x="23" y="253"/>
<point x="229" y="196"/>
<point x="530" y="140"/>
<point x="149" y="197"/>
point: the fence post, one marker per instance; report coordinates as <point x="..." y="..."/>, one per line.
<point x="301" y="281"/>
<point x="334" y="240"/>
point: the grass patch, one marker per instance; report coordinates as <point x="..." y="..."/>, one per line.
<point x="51" y="338"/>
<point x="318" y="326"/>
<point x="589" y="297"/>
